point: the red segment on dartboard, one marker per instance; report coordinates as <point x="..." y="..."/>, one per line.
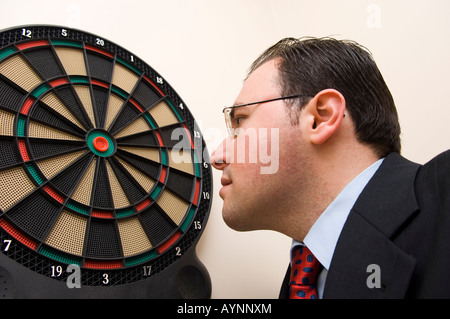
<point x="17" y="234"/>
<point x="26" y="45"/>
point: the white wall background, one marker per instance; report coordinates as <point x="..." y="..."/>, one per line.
<point x="203" y="49"/>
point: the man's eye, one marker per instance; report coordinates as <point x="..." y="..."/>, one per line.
<point x="237" y="121"/>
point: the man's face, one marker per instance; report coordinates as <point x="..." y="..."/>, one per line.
<point x="260" y="165"/>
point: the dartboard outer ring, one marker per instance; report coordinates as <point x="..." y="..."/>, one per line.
<point x="105" y="182"/>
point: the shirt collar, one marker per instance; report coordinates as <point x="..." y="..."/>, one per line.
<point x="323" y="235"/>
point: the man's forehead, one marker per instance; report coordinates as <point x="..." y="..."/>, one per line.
<point x="261" y="83"/>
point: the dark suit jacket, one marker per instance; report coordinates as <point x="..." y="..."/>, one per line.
<point x="400" y="222"/>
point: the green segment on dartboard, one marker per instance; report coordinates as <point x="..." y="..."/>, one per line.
<point x="101" y="144"/>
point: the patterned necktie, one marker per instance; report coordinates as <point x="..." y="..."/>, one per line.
<point x="305" y="268"/>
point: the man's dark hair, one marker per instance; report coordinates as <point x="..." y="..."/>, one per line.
<point x="310" y="65"/>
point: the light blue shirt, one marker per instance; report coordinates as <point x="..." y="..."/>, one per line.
<point x="323" y="235"/>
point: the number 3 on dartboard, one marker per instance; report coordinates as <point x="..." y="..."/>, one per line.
<point x="105" y="280"/>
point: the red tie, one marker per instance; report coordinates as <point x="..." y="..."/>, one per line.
<point x="305" y="268"/>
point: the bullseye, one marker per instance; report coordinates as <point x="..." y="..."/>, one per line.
<point x="101" y="144"/>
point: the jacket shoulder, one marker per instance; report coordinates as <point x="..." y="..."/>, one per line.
<point x="434" y="177"/>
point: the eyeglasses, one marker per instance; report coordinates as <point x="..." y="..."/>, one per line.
<point x="232" y="123"/>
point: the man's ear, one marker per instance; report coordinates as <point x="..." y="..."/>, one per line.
<point x="325" y="113"/>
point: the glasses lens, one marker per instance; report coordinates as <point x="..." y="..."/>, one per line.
<point x="227" y="113"/>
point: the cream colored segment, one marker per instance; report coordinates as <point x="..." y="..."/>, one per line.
<point x="173" y="206"/>
<point x="6" y="123"/>
<point x="138" y="126"/>
<point x="18" y="71"/>
<point x="119" y="198"/>
<point x="147" y="153"/>
<point x="181" y="160"/>
<point x="163" y="114"/>
<point x="67" y="233"/>
<point x="124" y="78"/>
<point x="114" y="105"/>
<point x="133" y="237"/>
<point x="72" y="60"/>
<point x="83" y="191"/>
<point x="14" y="186"/>
<point x="146" y="182"/>
<point x="52" y="166"/>
<point x="85" y="97"/>
<point x="52" y="101"/>
<point x="42" y="131"/>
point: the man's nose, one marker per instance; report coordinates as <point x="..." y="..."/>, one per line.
<point x="219" y="156"/>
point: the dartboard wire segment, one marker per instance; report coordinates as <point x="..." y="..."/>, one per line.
<point x="101" y="164"/>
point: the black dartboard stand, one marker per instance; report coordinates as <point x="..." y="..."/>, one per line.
<point x="105" y="187"/>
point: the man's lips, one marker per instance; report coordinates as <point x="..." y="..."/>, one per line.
<point x="225" y="181"/>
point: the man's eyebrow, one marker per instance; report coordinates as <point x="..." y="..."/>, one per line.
<point x="232" y="113"/>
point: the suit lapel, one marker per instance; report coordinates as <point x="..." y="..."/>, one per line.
<point x="365" y="251"/>
<point x="365" y="257"/>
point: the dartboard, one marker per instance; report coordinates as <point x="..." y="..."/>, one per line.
<point x="102" y="165"/>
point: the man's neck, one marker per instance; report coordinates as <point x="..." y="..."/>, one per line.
<point x="329" y="176"/>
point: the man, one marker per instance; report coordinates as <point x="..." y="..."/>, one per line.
<point x="377" y="224"/>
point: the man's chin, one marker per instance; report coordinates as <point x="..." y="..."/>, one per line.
<point x="237" y="224"/>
